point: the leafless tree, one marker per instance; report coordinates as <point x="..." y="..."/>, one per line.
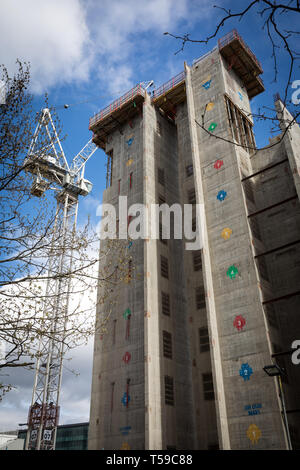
<point x="273" y="16"/>
<point x="28" y="241"/>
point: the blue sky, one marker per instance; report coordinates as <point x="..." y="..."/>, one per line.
<point x="88" y="53"/>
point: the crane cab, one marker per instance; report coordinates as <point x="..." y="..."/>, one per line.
<point x="38" y="187"/>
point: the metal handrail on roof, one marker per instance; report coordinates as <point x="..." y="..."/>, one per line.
<point x="169" y="85"/>
<point x="199" y="59"/>
<point x="229" y="37"/>
<point x="129" y="95"/>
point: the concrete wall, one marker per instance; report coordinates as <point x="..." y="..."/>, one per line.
<point x="237" y="296"/>
<point x="109" y="423"/>
<point x="177" y="427"/>
<point x="276" y="232"/>
<point x="244" y="412"/>
<point x="203" y="409"/>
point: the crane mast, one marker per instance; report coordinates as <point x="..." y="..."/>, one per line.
<point x="49" y="167"/>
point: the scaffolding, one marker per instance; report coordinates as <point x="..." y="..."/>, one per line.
<point x="243" y="61"/>
<point x="116" y="114"/>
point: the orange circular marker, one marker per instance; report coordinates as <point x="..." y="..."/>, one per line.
<point x="253" y="433"/>
<point x="226" y="233"/>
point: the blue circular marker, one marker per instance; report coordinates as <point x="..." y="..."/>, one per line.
<point x="221" y="195"/>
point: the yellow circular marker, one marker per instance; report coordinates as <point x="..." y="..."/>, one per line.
<point x="129" y="162"/>
<point x="253" y="433"/>
<point x="210" y="106"/>
<point x="226" y="233"/>
<point x="125" y="446"/>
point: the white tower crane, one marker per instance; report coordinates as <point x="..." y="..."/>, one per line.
<point x="51" y="170"/>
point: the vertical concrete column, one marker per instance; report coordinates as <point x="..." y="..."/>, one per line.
<point x="153" y="418"/>
<point x="222" y="421"/>
<point x="291" y="140"/>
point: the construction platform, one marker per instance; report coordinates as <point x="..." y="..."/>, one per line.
<point x="242" y="60"/>
<point x="232" y="47"/>
<point x="170" y="94"/>
<point x="117" y="113"/>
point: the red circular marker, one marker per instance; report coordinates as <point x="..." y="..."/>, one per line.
<point x="239" y="322"/>
<point x="126" y="357"/>
<point x="218" y="164"/>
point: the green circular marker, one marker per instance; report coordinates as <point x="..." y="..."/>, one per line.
<point x="127" y="313"/>
<point x="212" y="126"/>
<point x="232" y="271"/>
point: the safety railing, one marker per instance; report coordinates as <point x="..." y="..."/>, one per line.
<point x="137" y="90"/>
<point x="199" y="59"/>
<point x="168" y="85"/>
<point x="229" y="37"/>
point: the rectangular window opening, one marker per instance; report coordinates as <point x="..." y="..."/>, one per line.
<point x="109" y="169"/>
<point x="204" y="339"/>
<point x="197" y="260"/>
<point x="169" y="391"/>
<point x="164" y="267"/>
<point x="165" y="301"/>
<point x="167" y="344"/>
<point x="240" y="126"/>
<point x="208" y="386"/>
<point x="200" y="297"/>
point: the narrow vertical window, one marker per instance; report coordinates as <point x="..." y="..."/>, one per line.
<point x="208" y="386"/>
<point x="127" y="332"/>
<point x="240" y="126"/>
<point x="164" y="267"/>
<point x="127" y="392"/>
<point x="169" y="390"/>
<point x="203" y="339"/>
<point x="165" y="302"/>
<point x="130" y="180"/>
<point x="197" y="260"/>
<point x="109" y="169"/>
<point x="114" y="332"/>
<point x="112" y="396"/>
<point x="167" y="344"/>
<point x="200" y="297"/>
<point x="119" y="186"/>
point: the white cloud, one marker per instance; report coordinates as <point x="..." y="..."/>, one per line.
<point x="52" y="35"/>
<point x="118" y="77"/>
<point x="75" y="392"/>
<point x="70" y="41"/>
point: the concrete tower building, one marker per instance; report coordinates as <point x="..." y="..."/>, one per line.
<point x="181" y="364"/>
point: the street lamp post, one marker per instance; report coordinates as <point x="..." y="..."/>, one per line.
<point x="274" y="370"/>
